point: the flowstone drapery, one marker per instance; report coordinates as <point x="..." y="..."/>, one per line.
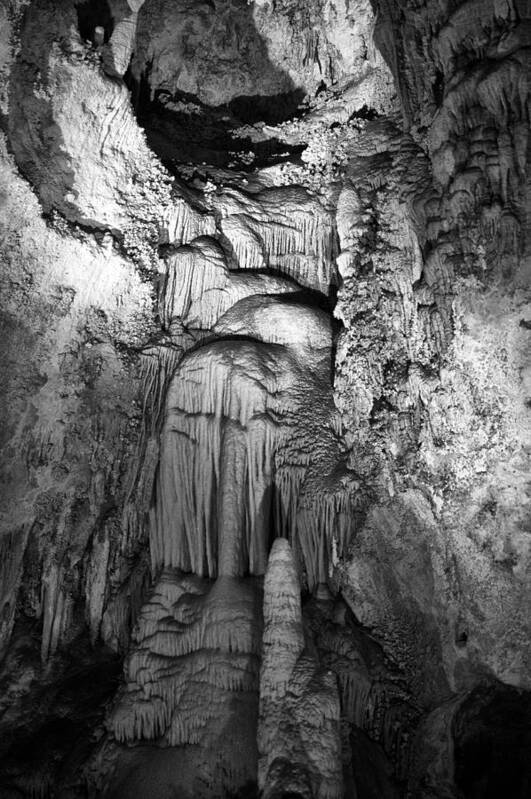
<point x="247" y="423"/>
<point x="248" y="456"/>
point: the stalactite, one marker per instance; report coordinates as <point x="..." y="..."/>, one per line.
<point x="57" y="607"/>
<point x="112" y="612"/>
<point x="157" y="368"/>
<point x="221" y="385"/>
<point x="96" y="584"/>
<point x="321" y="520"/>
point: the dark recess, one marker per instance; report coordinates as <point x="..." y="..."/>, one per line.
<point x="91" y="14"/>
<point x="438" y="87"/>
<point x="270" y="109"/>
<point x="182" y="130"/>
<point x="492" y="740"/>
<point x="58" y="715"/>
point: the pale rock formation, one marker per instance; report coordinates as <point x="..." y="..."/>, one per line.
<point x="192" y="679"/>
<point x="234" y="458"/>
<point x="277" y="320"/>
<point x="73" y="132"/>
<point x="199" y="288"/>
<point x="298" y="729"/>
<point x="185" y="621"/>
<point x="217" y="420"/>
<point x="285" y="230"/>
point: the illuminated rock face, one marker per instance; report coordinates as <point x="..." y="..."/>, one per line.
<point x="299" y="740"/>
<point x="237" y="413"/>
<point x="266" y="399"/>
<point x="191" y="688"/>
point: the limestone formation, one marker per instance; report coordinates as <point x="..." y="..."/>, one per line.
<point x="265" y="397"/>
<point x="298" y="728"/>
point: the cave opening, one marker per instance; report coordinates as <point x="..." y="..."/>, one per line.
<point x="492" y="741"/>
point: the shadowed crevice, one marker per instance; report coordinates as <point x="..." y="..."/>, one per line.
<point x="492" y="741"/>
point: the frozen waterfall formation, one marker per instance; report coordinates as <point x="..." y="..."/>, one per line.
<point x="249" y="455"/>
<point x="224" y="671"/>
<point x="249" y="410"/>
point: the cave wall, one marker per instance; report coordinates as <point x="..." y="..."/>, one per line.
<point x="449" y="388"/>
<point x="443" y="411"/>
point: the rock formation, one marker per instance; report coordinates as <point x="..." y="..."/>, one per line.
<point x="265" y="399"/>
<point x="298" y="728"/>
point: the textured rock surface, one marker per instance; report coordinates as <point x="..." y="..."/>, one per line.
<point x="230" y="50"/>
<point x="447" y="398"/>
<point x="293" y="306"/>
<point x="298" y="730"/>
<point x="192" y="680"/>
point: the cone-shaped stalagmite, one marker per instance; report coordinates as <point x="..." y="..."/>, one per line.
<point x="299" y="726"/>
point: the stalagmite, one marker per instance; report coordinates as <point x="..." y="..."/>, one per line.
<point x="283" y="640"/>
<point x="299" y="721"/>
